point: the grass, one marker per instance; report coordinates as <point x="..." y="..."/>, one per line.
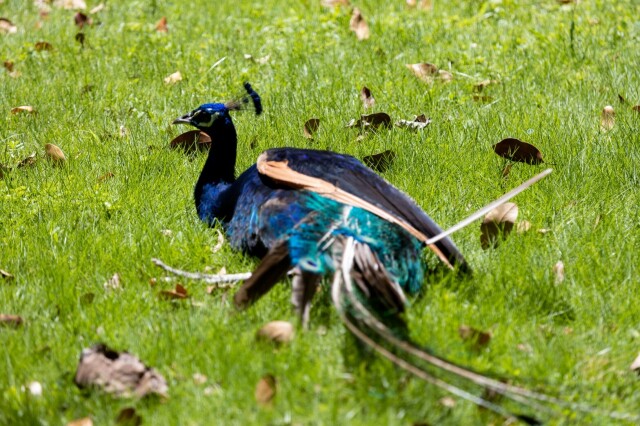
<point x="63" y="233"/>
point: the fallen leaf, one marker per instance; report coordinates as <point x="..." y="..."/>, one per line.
<point x="191" y="141"/>
<point x="85" y="421"/>
<point x="367" y="98"/>
<point x="199" y="378"/>
<point x="621" y="99"/>
<point x="80" y="38"/>
<point x="447" y="401"/>
<point x="96" y="9"/>
<point x="28" y="161"/>
<point x="8" y="65"/>
<point x="173" y="78"/>
<point x="81" y="20"/>
<point x="266" y="389"/>
<point x="129" y="417"/>
<point x="424" y="71"/>
<point x="7" y="27"/>
<point x="23" y="109"/>
<point x="380" y="161"/>
<point x="636" y="108"/>
<point x="219" y="243"/>
<point x="70" y="4"/>
<point x="310" y="127"/>
<point x="418" y="122"/>
<point x="178" y="293"/>
<point x="477" y="337"/>
<point x="566" y="1"/>
<point x="276" y="331"/>
<point x="358" y="25"/>
<point x="523" y="227"/>
<point x="121" y="374"/>
<point x="607" y="118"/>
<point x="105" y="176"/>
<point x="445" y="76"/>
<point x="515" y="150"/>
<point x="558" y="271"/>
<point x="112" y="283"/>
<point x="497" y="223"/>
<point x="7" y="276"/>
<point x="10" y="320"/>
<point x="479" y="87"/>
<point x="161" y="25"/>
<point x="55" y="154"/>
<point x="43" y="45"/>
<point x="635" y="365"/>
<point x="371" y="121"/>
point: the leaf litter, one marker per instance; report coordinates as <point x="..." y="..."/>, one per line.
<point x="516" y="150"/>
<point x="497" y="224"/>
<point x="359" y="25"/>
<point x="310" y="127"/>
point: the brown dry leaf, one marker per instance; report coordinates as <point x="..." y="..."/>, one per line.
<point x="367" y="98"/>
<point x="129" y="417"/>
<point x="371" y="121"/>
<point x="173" y="78"/>
<point x="86" y="421"/>
<point x="121" y="374"/>
<point x="477" y="337"/>
<point x="424" y="71"/>
<point x="567" y="1"/>
<point x="81" y="20"/>
<point x="498" y="223"/>
<point x="7" y="276"/>
<point x="28" y="161"/>
<point x="310" y="127"/>
<point x="621" y="99"/>
<point x="43" y="45"/>
<point x="191" y="141"/>
<point x="334" y="3"/>
<point x="636" y="108"/>
<point x="607" y="118"/>
<point x="8" y="65"/>
<point x="523" y="227"/>
<point x="10" y="320"/>
<point x="105" y="176"/>
<point x="266" y="389"/>
<point x="276" y="331"/>
<point x="178" y="293"/>
<point x="516" y="150"/>
<point x="112" y="283"/>
<point x="7" y="27"/>
<point x="447" y="401"/>
<point x="418" y="122"/>
<point x="55" y="154"/>
<point x="381" y="161"/>
<point x="80" y="38"/>
<point x="358" y="25"/>
<point x="558" y="271"/>
<point x="479" y="87"/>
<point x="161" y="25"/>
<point x="635" y="365"/>
<point x="70" y="4"/>
<point x="23" y="109"/>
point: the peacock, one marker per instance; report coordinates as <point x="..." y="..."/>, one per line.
<point x="319" y="214"/>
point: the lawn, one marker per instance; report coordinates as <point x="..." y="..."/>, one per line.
<point x="123" y="197"/>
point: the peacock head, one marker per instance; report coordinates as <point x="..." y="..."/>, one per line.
<point x="208" y="116"/>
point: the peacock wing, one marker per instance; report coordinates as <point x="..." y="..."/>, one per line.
<point x="345" y="179"/>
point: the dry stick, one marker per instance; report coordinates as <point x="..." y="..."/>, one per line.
<point x="207" y="278"/>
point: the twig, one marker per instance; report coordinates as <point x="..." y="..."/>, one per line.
<point x="208" y="278"/>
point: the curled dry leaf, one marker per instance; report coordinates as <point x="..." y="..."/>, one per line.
<point x="498" y="223"/>
<point x="515" y="150"/>
<point x="28" y="161"/>
<point x="371" y="121"/>
<point x="358" y="25"/>
<point x="635" y="365"/>
<point x="266" y="389"/>
<point x="7" y="27"/>
<point x="23" y="109"/>
<point x="276" y="331"/>
<point x="424" y="71"/>
<point x="5" y="275"/>
<point x="173" y="78"/>
<point x="10" y="320"/>
<point x="55" y="154"/>
<point x="477" y="337"/>
<point x="8" y="65"/>
<point x="81" y="20"/>
<point x="367" y="98"/>
<point x="193" y="140"/>
<point x="558" y="271"/>
<point x="380" y="161"/>
<point x="607" y="118"/>
<point x="112" y="283"/>
<point x="43" y="45"/>
<point x="418" y="122"/>
<point x="121" y="374"/>
<point x="161" y="25"/>
<point x="129" y="417"/>
<point x="636" y="108"/>
<point x="178" y="293"/>
<point x="85" y="421"/>
<point x="310" y="127"/>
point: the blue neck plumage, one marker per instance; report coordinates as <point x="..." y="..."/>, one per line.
<point x="219" y="169"/>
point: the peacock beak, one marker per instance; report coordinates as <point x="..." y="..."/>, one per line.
<point x="185" y="119"/>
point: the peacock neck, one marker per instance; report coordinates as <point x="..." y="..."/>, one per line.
<point x="219" y="169"/>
